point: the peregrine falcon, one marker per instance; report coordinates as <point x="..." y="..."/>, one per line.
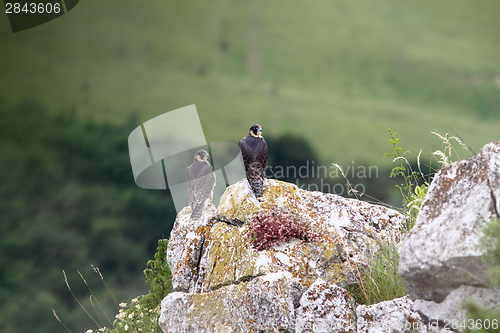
<point x="253" y="149"/>
<point x="201" y="183"/>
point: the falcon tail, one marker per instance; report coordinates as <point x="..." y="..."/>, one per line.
<point x="197" y="211"/>
<point x="257" y="186"/>
<point x="256" y="182"/>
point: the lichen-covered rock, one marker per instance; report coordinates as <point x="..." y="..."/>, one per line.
<point x="269" y="303"/>
<point x="326" y="307"/>
<point x="185" y="246"/>
<point x="229" y="286"/>
<point x="441" y="252"/>
<point x="330" y="213"/>
<point x="394" y="316"/>
<point x="451" y="310"/>
<point x="347" y="228"/>
<point x="264" y="304"/>
<point x="229" y="258"/>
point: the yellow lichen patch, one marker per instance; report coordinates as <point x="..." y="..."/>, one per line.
<point x="230" y="257"/>
<point x="220" y="257"/>
<point x="247" y="265"/>
<point x="209" y="311"/>
<point x="238" y="202"/>
<point x="276" y="189"/>
<point x="244" y="307"/>
<point x="280" y="193"/>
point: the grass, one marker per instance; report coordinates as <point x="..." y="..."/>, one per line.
<point x="337" y="73"/>
<point x="380" y="280"/>
<point x="143" y="312"/>
<point x="415" y="184"/>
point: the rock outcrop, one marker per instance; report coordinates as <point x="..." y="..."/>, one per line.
<point x="441" y="252"/>
<point x="223" y="284"/>
<point x="440" y="258"/>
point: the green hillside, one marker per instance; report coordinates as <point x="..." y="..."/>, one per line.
<point x="328" y="76"/>
<point x="338" y="73"/>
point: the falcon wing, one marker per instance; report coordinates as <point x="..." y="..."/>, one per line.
<point x="262" y="157"/>
<point x="191" y="186"/>
<point x="246" y="154"/>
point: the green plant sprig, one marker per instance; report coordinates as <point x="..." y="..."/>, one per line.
<point x="412" y="191"/>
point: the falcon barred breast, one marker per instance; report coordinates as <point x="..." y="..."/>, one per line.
<point x="201" y="183"/>
<point x="253" y="149"/>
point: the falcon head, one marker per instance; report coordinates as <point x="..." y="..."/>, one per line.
<point x="256" y="130"/>
<point x="201" y="155"/>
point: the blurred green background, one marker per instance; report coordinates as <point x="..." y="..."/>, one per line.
<point x="328" y="76"/>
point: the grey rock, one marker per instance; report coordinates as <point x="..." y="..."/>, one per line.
<point x="265" y="303"/>
<point x="394" y="316"/>
<point x="451" y="311"/>
<point x="442" y="251"/>
<point x="325" y="308"/>
<point x="185" y="246"/>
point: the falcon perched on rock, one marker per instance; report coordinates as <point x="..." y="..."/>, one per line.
<point x="201" y="183"/>
<point x="253" y="149"/>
